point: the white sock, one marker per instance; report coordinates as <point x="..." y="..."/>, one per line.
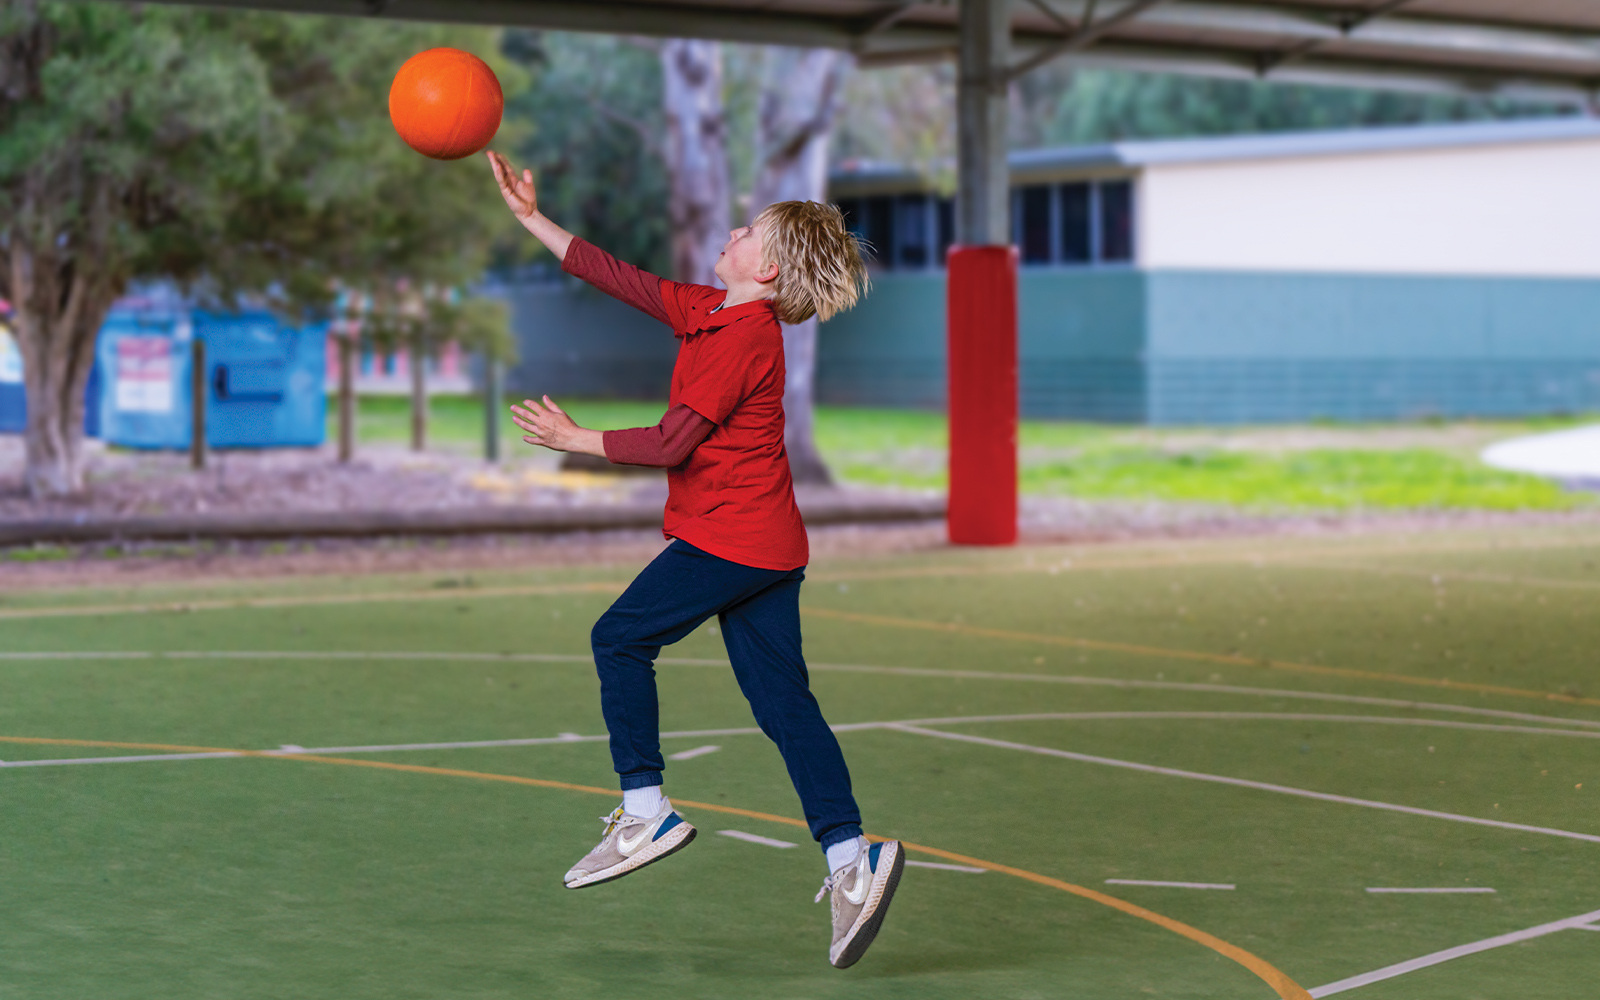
<point x="845" y="853"/>
<point x="644" y="801"/>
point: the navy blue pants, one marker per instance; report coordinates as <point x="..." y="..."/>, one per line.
<point x="759" y="614"/>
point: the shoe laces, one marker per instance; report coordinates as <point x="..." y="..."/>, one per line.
<point x="612" y="820"/>
<point x="831" y="883"/>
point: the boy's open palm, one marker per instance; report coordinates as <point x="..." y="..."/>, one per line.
<point x="517" y="191"/>
<point x="546" y="425"/>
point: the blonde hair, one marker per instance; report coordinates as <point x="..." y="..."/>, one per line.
<point x="820" y="268"/>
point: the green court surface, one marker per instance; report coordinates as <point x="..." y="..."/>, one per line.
<point x="1174" y="769"/>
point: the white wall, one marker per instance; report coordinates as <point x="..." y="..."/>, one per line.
<point x="1524" y="209"/>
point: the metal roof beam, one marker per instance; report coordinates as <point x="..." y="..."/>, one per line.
<point x="1088" y="32"/>
<point x="1235" y="65"/>
<point x="1304" y="48"/>
<point x="1424" y="35"/>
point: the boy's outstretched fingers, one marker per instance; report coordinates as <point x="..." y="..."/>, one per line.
<point x="518" y="192"/>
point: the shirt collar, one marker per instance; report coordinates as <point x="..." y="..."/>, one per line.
<point x="732" y="314"/>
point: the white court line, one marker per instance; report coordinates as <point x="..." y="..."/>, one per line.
<point x="692" y="754"/>
<point x="140" y="759"/>
<point x="290" y="749"/>
<point x="753" y="839"/>
<point x="1588" y="927"/>
<point x="1382" y="720"/>
<point x="1412" y="965"/>
<point x="980" y="871"/>
<point x="1112" y="682"/>
<point x="1429" y="889"/>
<point x="1263" y="786"/>
<point x="1172" y="885"/>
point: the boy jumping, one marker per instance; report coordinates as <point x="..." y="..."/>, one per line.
<point x="739" y="548"/>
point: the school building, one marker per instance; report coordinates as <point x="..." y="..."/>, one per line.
<point x="1390" y="273"/>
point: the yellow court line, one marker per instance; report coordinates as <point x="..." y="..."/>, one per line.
<point x="1163" y="652"/>
<point x="1285" y="987"/>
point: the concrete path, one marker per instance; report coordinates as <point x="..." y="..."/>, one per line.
<point x="1570" y="456"/>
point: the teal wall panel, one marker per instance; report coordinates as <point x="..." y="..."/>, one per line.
<point x="1230" y="347"/>
<point x="575" y="341"/>
<point x="1296" y="390"/>
<point x="1080" y="335"/>
<point x="1119" y="344"/>
<point x="890" y="349"/>
<point x="1231" y="314"/>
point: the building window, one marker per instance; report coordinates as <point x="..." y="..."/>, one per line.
<point x="1077" y="244"/>
<point x="1116" y="220"/>
<point x="1031" y="212"/>
<point x="1075" y="223"/>
<point x="913" y="236"/>
<point x="947" y="228"/>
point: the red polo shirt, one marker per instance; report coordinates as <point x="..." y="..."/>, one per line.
<point x="733" y="496"/>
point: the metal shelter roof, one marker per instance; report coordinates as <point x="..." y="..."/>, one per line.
<point x="1534" y="49"/>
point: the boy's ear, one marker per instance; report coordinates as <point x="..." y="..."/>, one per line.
<point x="767" y="274"/>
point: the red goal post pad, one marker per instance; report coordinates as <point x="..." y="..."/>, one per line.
<point x="981" y="298"/>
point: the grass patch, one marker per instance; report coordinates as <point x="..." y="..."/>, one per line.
<point x="1320" y="466"/>
<point x="37" y="553"/>
<point x="1325" y="479"/>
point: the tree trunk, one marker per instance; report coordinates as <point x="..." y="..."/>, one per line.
<point x="57" y="311"/>
<point x="800" y="98"/>
<point x="697" y="156"/>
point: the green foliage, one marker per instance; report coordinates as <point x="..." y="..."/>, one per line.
<point x="593" y="141"/>
<point x="1061" y="106"/>
<point x="126" y="133"/>
<point x="348" y="199"/>
<point x="246" y="152"/>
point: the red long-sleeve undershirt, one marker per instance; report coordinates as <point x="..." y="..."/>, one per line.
<point x="681" y="429"/>
<point x="663" y="446"/>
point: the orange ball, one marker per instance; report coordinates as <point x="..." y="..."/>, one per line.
<point x="446" y="103"/>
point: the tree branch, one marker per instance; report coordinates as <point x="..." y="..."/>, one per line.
<point x="651" y="143"/>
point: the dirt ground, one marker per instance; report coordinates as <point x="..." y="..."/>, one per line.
<point x="123" y="484"/>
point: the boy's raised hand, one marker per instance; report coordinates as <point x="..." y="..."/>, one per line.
<point x="517" y="191"/>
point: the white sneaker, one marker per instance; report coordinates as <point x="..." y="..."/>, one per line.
<point x="629" y="843"/>
<point x="861" y="894"/>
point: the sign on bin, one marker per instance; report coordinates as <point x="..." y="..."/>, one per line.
<point x="144" y="374"/>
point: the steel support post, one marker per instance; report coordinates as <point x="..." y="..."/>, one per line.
<point x="981" y="277"/>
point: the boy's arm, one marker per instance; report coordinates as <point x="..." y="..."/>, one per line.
<point x="524" y="204"/>
<point x="663" y="446"/>
<point x="636" y="287"/>
<point x="618" y="279"/>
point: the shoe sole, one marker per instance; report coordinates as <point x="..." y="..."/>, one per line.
<point x="638" y="861"/>
<point x="863" y="937"/>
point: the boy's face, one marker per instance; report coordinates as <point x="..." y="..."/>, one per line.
<point x="740" y="259"/>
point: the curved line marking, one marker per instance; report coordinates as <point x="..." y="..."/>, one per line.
<point x="1286" y="988"/>
<point x="1163" y="652"/>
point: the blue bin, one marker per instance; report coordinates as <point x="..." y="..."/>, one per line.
<point x="14" y="397"/>
<point x="263" y="379"/>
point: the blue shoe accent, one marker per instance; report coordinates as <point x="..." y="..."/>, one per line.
<point x="872" y="857"/>
<point x="666" y="824"/>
